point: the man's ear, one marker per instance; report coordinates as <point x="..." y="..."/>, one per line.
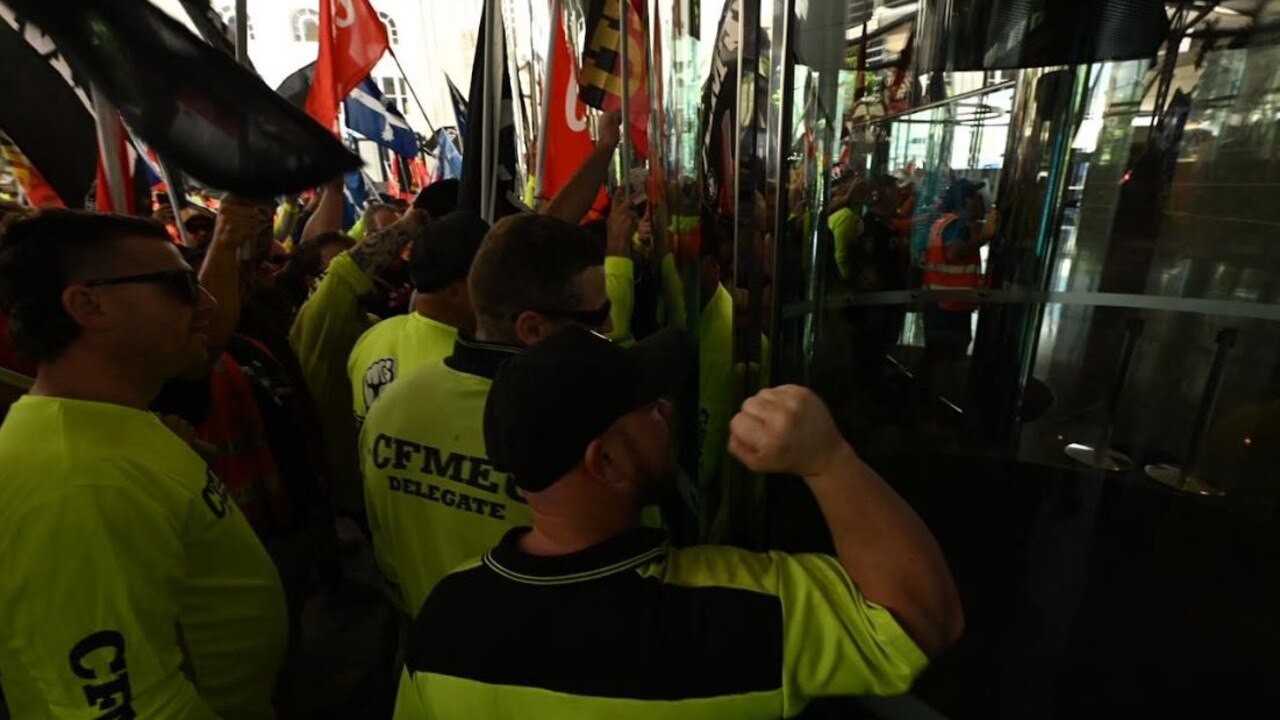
<point x="531" y="328"/>
<point x="82" y="305"/>
<point x="596" y="460"/>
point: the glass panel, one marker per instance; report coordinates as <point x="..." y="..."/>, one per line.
<point x="1080" y="392"/>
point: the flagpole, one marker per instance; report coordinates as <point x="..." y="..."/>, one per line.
<point x="242" y="32"/>
<point x="487" y="154"/>
<point x="541" y="166"/>
<point x="109" y="142"/>
<point x="412" y="92"/>
<point x="175" y="193"/>
<point x="623" y="17"/>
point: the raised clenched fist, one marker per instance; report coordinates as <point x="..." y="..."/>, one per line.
<point x="786" y="429"/>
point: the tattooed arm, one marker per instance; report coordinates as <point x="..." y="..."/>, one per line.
<point x="382" y="246"/>
<point x="323" y="335"/>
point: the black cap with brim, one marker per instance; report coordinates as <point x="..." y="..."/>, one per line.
<point x="549" y="402"/>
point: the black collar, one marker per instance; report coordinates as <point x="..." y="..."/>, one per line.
<point x="479" y="358"/>
<point x="620" y="553"/>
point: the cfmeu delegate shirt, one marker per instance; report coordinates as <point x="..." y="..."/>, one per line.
<point x="392" y="349"/>
<point x="433" y="498"/>
<point x="132" y="586"/>
<point x="632" y="628"/>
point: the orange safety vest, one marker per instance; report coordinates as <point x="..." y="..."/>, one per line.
<point x="943" y="274"/>
<point x="244" y="462"/>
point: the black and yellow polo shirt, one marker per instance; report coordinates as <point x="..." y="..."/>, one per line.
<point x="633" y="628"/>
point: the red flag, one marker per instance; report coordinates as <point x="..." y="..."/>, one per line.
<point x="114" y="192"/>
<point x="568" y="140"/>
<point x="352" y="39"/>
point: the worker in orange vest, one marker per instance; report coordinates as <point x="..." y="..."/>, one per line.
<point x="952" y="263"/>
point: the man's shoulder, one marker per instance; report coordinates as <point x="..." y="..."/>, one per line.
<point x="382" y="332"/>
<point x="71" y="489"/>
<point x="432" y="389"/>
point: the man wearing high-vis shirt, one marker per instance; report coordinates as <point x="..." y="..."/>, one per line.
<point x="590" y="614"/>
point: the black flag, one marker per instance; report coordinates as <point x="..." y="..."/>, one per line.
<point x="46" y="112"/>
<point x="459" y="106"/>
<point x="506" y="198"/>
<point x="297" y="86"/>
<point x="190" y="102"/>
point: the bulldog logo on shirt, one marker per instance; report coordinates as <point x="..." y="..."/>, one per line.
<point x="376" y="379"/>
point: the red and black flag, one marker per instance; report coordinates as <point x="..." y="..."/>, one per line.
<point x="189" y="101"/>
<point x="600" y="79"/>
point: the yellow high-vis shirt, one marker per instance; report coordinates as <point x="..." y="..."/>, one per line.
<point x="620" y="288"/>
<point x="131" y="585"/>
<point x="433" y="498"/>
<point x="323" y="335"/>
<point x="392" y="349"/>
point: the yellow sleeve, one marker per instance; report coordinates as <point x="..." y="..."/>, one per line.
<point x="358" y="231"/>
<point x="96" y="629"/>
<point x="323" y="336"/>
<point x="620" y="286"/>
<point x="673" y="293"/>
<point x="844" y="226"/>
<point x="835" y="641"/>
<point x="409" y="705"/>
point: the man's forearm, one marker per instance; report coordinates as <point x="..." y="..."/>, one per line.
<point x="888" y="551"/>
<point x="575" y="199"/>
<point x="220" y="276"/>
<point x="328" y="214"/>
<point x="380" y="248"/>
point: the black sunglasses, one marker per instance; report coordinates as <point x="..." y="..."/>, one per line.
<point x="590" y="318"/>
<point x="183" y="283"/>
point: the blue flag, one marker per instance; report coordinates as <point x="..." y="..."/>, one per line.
<point x="355" y="196"/>
<point x="373" y="116"/>
<point x="448" y="159"/>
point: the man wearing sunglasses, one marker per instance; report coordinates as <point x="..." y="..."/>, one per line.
<point x="433" y="498"/>
<point x="133" y="586"/>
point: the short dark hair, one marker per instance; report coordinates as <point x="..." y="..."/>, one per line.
<point x="306" y="259"/>
<point x="530" y="261"/>
<point x="40" y="254"/>
<point x="439" y="198"/>
<point x="443" y="254"/>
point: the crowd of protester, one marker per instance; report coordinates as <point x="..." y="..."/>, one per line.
<point x="215" y="423"/>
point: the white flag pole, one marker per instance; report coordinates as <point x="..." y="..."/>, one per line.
<point x="623" y="17"/>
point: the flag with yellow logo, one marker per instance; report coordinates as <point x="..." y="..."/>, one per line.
<point x="600" y="78"/>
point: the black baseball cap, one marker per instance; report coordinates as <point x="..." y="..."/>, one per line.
<point x="549" y="402"/>
<point x="443" y="255"/>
